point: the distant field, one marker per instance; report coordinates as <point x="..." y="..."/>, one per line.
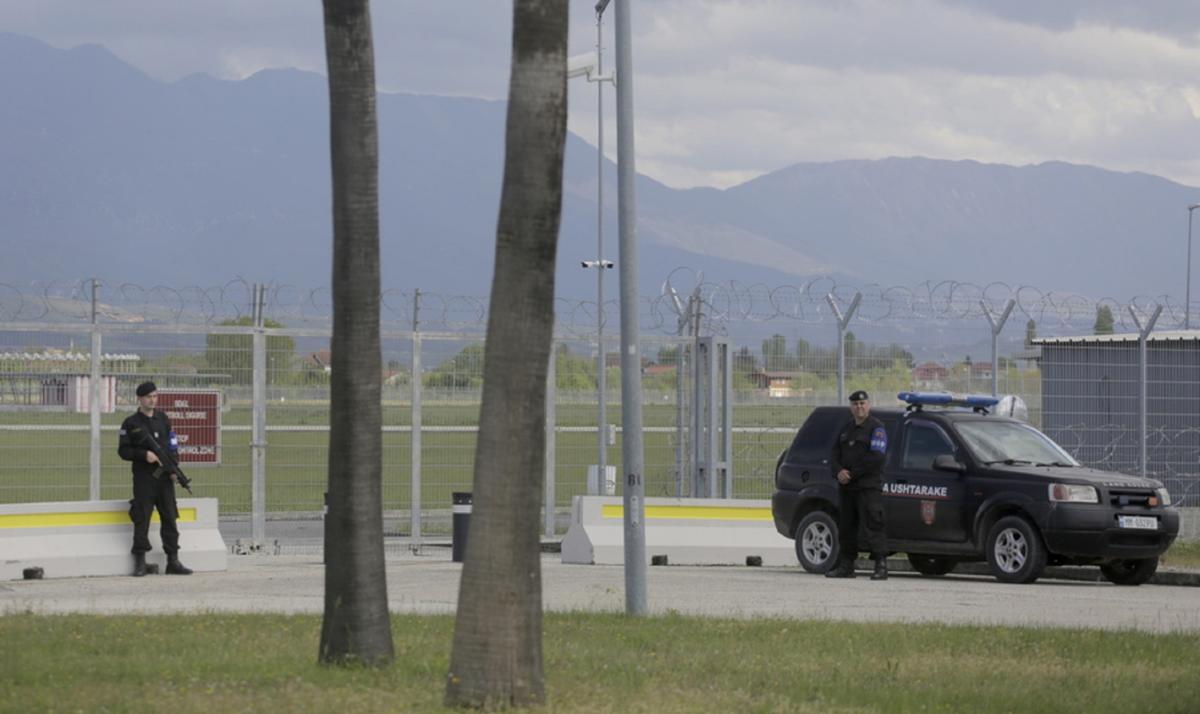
<point x="53" y="465"/>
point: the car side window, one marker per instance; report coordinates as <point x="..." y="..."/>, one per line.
<point x="922" y="443"/>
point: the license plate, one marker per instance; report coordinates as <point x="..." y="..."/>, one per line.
<point x="1143" y="522"/>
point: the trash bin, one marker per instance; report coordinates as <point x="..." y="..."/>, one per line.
<point x="462" y="522"/>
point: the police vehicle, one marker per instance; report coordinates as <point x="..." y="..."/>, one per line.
<point x="962" y="483"/>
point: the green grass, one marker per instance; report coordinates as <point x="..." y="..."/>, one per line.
<point x="598" y="663"/>
<point x="53" y="465"/>
<point x="1182" y="554"/>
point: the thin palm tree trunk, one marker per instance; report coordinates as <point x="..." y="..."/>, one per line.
<point x="356" y="627"/>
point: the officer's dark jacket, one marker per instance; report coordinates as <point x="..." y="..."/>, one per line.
<point x="133" y="448"/>
<point x="861" y="450"/>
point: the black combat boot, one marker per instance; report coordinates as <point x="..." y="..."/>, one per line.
<point x="880" y="569"/>
<point x="844" y="569"/>
<point x="139" y="564"/>
<point x="174" y="567"/>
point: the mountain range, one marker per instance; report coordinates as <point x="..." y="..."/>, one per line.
<point x="107" y="172"/>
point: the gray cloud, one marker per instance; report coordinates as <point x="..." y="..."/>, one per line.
<point x="1175" y="18"/>
<point x="726" y="90"/>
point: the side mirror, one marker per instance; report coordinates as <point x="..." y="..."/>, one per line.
<point x="947" y="462"/>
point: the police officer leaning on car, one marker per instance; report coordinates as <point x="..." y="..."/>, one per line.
<point x="857" y="464"/>
<point x="152" y="487"/>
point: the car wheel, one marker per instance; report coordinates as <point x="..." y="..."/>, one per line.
<point x="1130" y="572"/>
<point x="1015" y="551"/>
<point x="817" y="542"/>
<point x="931" y="565"/>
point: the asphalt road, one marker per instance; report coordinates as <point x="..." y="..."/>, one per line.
<point x="428" y="583"/>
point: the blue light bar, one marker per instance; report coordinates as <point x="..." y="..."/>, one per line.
<point x="945" y="399"/>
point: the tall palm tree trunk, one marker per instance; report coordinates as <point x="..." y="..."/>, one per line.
<point x="497" y="653"/>
<point x="356" y="627"/>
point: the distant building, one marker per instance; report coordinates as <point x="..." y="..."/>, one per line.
<point x="1091" y="400"/>
<point x="321" y="359"/>
<point x="60" y="379"/>
<point x="929" y="376"/>
<point x="777" y="384"/>
<point x="981" y="370"/>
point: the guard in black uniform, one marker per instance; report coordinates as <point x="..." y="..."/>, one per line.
<point x="857" y="464"/>
<point x="152" y="487"/>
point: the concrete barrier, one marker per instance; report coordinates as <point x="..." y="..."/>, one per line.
<point x="72" y="539"/>
<point x="1189" y="524"/>
<point x="686" y="531"/>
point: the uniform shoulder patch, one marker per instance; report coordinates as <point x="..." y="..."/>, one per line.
<point x="879" y="440"/>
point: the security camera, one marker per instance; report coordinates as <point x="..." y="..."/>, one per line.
<point x="607" y="263"/>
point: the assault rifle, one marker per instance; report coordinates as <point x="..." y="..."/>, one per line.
<point x="167" y="463"/>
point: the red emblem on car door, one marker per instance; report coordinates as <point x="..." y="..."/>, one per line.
<point x="928" y="511"/>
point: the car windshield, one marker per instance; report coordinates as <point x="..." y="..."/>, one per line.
<point x="994" y="441"/>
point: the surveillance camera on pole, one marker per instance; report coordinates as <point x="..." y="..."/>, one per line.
<point x="606" y="264"/>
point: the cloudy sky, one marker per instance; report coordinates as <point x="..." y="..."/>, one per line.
<point x="726" y="90"/>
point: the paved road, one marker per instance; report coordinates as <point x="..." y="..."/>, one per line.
<point x="429" y="584"/>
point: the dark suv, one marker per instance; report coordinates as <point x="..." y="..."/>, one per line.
<point x="961" y="485"/>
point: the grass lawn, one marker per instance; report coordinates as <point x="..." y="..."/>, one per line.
<point x="1182" y="554"/>
<point x="598" y="663"/>
<point x="53" y="465"/>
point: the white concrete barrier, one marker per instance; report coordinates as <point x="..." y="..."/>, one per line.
<point x="76" y="538"/>
<point x="687" y="531"/>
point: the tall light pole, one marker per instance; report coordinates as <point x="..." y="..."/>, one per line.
<point x="601" y="263"/>
<point x="1187" y="295"/>
<point x="632" y="455"/>
<point x="584" y="65"/>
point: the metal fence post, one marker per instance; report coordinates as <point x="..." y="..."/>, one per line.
<point x="727" y="401"/>
<point x="842" y="322"/>
<point x="549" y="468"/>
<point x="258" y="438"/>
<point x="997" y="326"/>
<point x="1143" y="333"/>
<point x="415" y="430"/>
<point x="94" y="403"/>
<point x="680" y="418"/>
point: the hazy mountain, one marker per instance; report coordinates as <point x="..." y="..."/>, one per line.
<point x="107" y="172"/>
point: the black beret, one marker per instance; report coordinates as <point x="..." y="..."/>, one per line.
<point x="859" y="396"/>
<point x="146" y="388"/>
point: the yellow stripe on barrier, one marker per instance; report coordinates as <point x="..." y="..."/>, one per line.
<point x="711" y="513"/>
<point x="81" y="518"/>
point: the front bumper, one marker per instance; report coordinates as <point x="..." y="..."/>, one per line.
<point x="1091" y="531"/>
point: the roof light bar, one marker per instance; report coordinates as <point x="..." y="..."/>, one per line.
<point x="979" y="402"/>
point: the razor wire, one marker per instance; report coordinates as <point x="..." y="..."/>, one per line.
<point x="719" y="307"/>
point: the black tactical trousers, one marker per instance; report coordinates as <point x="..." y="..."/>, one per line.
<point x="150" y="493"/>
<point x="865" y="506"/>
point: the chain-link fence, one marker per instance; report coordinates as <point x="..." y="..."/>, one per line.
<point x="1127" y="399"/>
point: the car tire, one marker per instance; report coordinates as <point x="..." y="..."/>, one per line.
<point x="1130" y="572"/>
<point x="931" y="565"/>
<point x="817" y="542"/>
<point x="1015" y="551"/>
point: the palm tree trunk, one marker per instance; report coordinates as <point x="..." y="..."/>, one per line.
<point x="497" y="654"/>
<point x="356" y="627"/>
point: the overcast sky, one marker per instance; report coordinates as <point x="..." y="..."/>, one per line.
<point x="726" y="90"/>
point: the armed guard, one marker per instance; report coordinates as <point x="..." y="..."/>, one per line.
<point x="857" y="463"/>
<point x="153" y="485"/>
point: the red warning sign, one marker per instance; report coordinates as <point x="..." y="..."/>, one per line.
<point x="195" y="416"/>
